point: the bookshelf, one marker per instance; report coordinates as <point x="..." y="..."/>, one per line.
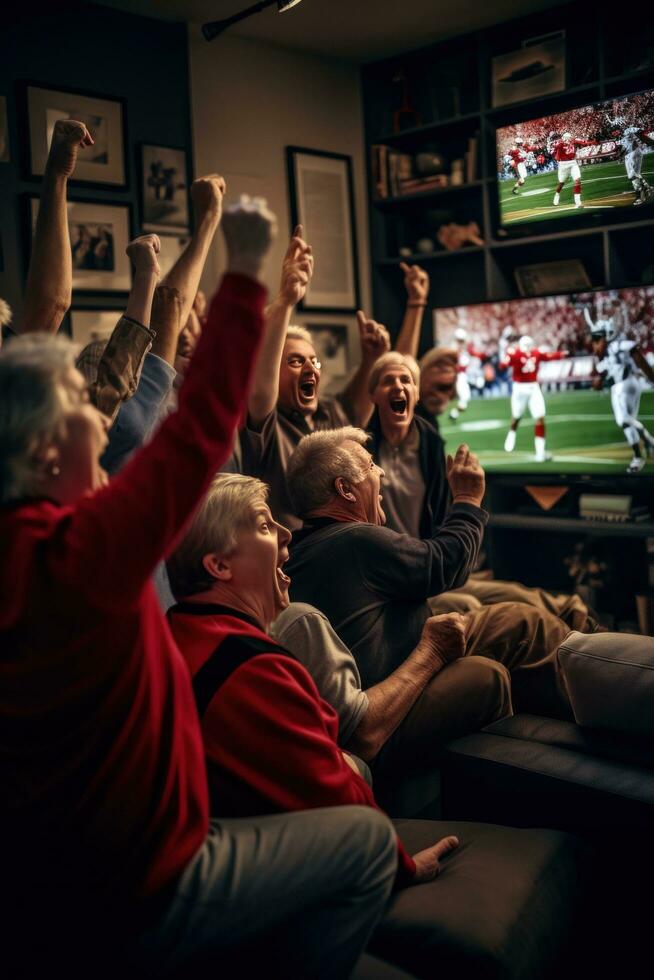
<point x="448" y="85"/>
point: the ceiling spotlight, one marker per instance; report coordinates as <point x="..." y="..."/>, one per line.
<point x="216" y="27"/>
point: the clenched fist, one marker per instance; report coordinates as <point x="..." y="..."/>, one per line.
<point x="466" y="477"/>
<point x="416" y="283"/>
<point x="374" y="337"/>
<point x="445" y="637"/>
<point x="249" y="229"/>
<point x="68" y="136"/>
<point x="143" y="252"/>
<point x="297" y="270"/>
<point x="207" y="195"/>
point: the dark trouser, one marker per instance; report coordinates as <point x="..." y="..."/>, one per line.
<point x="290" y="895"/>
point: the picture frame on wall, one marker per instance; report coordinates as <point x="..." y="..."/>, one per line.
<point x="5" y="153"/>
<point x="103" y="163"/>
<point x="164" y="189"/>
<point x="321" y="193"/>
<point x="331" y="343"/>
<point x="565" y="276"/>
<point x="92" y="323"/>
<point x="99" y="235"/>
<point x="531" y="72"/>
<point x="171" y="248"/>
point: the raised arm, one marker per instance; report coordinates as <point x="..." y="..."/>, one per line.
<point x="588" y="318"/>
<point x="416" y="283"/>
<point x="207" y="197"/>
<point x="141" y="512"/>
<point x="49" y="285"/>
<point x="375" y="341"/>
<point x="297" y="270"/>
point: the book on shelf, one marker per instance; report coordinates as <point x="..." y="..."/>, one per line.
<point x="414" y="185"/>
<point x="470" y="157"/>
<point x="389" y="168"/>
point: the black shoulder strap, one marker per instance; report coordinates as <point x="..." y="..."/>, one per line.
<point x="234" y="651"/>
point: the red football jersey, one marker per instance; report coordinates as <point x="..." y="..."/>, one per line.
<point x="524" y="367"/>
<point x="519" y="153"/>
<point x="563" y="151"/>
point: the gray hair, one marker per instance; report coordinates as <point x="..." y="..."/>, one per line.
<point x="88" y="359"/>
<point x="227" y="508"/>
<point x="319" y="459"/>
<point x="443" y="357"/>
<point x="33" y="371"/>
<point x="392" y="357"/>
<point x="5" y="313"/>
<point x="295" y="332"/>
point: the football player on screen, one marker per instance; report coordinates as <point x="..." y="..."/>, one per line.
<point x="524" y="360"/>
<point x="634" y="142"/>
<point x="518" y="155"/>
<point x="469" y="370"/>
<point x="564" y="150"/>
<point x="622" y="364"/>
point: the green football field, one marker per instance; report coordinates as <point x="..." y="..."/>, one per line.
<point x="581" y="434"/>
<point x="603" y="186"/>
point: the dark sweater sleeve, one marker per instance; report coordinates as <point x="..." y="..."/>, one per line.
<point x="267" y="729"/>
<point x="403" y="567"/>
<point x="113" y="538"/>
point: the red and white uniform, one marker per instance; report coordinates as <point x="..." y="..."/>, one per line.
<point x="526" y="391"/>
<point x="467" y="372"/>
<point x="519" y="156"/>
<point x="565" y="153"/>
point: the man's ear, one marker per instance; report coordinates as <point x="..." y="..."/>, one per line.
<point x="344" y="489"/>
<point x="219" y="568"/>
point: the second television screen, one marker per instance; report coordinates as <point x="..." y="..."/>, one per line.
<point x="596" y="158"/>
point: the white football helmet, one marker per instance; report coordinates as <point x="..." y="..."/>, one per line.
<point x="566" y="136"/>
<point x="519" y="139"/>
<point x="461" y="335"/>
<point x="603" y="329"/>
<point x="526" y="344"/>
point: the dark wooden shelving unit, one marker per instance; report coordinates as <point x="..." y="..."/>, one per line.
<point x="456" y="74"/>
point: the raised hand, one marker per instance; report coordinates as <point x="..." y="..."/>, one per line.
<point x="428" y="864"/>
<point x="249" y="229"/>
<point x="297" y="269"/>
<point x="143" y="252"/>
<point x="416" y="283"/>
<point x="466" y="477"/>
<point x="68" y="136"/>
<point x="374" y="337"/>
<point x="207" y="195"/>
<point x="445" y="637"/>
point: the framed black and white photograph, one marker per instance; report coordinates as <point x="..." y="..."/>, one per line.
<point x="87" y="325"/>
<point x="164" y="189"/>
<point x="104" y="162"/>
<point x="172" y="247"/>
<point x="99" y="235"/>
<point x="534" y="70"/>
<point x="322" y="200"/>
<point x="5" y="155"/>
<point x="331" y="343"/>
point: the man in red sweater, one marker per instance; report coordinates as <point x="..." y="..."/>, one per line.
<point x="105" y="818"/>
<point x="270" y="739"/>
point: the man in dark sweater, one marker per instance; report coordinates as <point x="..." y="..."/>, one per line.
<point x="373" y="583"/>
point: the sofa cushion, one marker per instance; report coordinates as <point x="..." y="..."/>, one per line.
<point x="502" y="906"/>
<point x="610" y="681"/>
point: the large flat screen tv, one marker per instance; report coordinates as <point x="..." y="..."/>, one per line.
<point x="597" y="160"/>
<point x="523" y="361"/>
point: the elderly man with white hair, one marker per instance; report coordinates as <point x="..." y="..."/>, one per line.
<point x="373" y="583"/>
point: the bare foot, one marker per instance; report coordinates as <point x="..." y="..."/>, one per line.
<point x="445" y="636"/>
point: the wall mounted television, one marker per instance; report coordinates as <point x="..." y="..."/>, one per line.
<point x="594" y="164"/>
<point x="540" y="358"/>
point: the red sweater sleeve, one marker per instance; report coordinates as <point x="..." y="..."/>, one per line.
<point x="269" y="728"/>
<point x="115" y="537"/>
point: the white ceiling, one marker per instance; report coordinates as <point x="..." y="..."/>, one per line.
<point x="353" y="30"/>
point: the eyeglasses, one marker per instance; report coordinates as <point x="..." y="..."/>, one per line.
<point x="296" y="360"/>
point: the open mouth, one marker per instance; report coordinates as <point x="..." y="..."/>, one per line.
<point x="283" y="579"/>
<point x="398" y="406"/>
<point x="308" y="390"/>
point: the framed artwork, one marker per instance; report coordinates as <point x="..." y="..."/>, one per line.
<point x="5" y="155"/>
<point x="331" y="343"/>
<point x="322" y="200"/>
<point x="172" y="247"/>
<point x="164" y="189"/>
<point x="566" y="276"/>
<point x="534" y="70"/>
<point x="104" y="162"/>
<point x="91" y="324"/>
<point x="99" y="235"/>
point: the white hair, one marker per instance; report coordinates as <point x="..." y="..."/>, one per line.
<point x="317" y="462"/>
<point x="392" y="358"/>
<point x="33" y="371"/>
<point x="295" y="332"/>
<point x="5" y="313"/>
<point x="228" y="506"/>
